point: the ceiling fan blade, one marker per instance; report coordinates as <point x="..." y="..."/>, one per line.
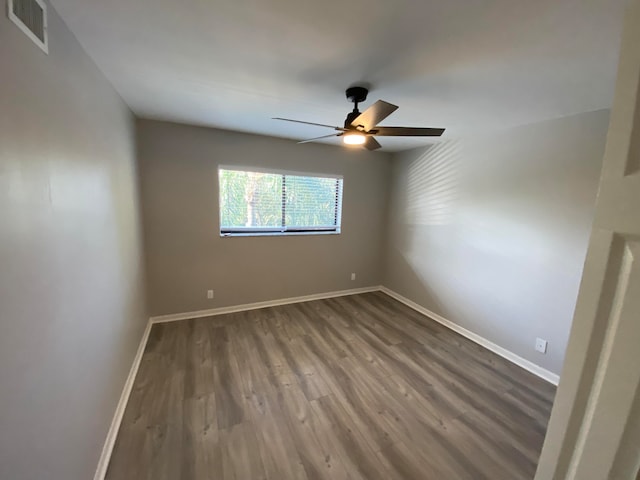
<point x="408" y="132"/>
<point x="374" y="115"/>
<point x="308" y="123"/>
<point x="371" y="143"/>
<point x="320" y="138"/>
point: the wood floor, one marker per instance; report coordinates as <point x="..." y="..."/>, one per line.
<point x="357" y="387"/>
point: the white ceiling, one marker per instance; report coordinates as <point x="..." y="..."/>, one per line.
<point x="466" y="65"/>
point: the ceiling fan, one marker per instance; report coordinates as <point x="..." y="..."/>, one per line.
<point x="360" y="128"/>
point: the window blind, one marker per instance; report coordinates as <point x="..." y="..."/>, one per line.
<point x="272" y="202"/>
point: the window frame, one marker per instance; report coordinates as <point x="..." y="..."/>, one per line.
<point x="282" y="231"/>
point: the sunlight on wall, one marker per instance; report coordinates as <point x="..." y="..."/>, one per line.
<point x="432" y="186"/>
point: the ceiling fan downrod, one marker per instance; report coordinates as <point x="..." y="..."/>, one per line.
<point x="355" y="95"/>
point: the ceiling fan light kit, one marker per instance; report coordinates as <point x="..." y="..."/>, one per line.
<point x="353" y="138"/>
<point x="360" y="128"/>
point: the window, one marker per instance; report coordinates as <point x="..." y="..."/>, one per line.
<point x="263" y="202"/>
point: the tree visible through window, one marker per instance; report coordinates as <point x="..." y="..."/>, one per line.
<point x="271" y="202"/>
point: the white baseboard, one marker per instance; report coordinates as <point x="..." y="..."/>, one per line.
<point x="254" y="306"/>
<point x="503" y="352"/>
<point x="124" y="398"/>
<point x="107" y="449"/>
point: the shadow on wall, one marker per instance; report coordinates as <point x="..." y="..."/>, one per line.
<point x="431" y="190"/>
<point x="432" y="186"/>
<point x="478" y="237"/>
<point x="421" y="289"/>
<point x="491" y="231"/>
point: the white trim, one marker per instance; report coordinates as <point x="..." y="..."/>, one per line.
<point x="117" y="419"/>
<point x="279" y="171"/>
<point x="503" y="352"/>
<point x="109" y="443"/>
<point x="282" y="233"/>
<point x="254" y="306"/>
<point x="44" y="45"/>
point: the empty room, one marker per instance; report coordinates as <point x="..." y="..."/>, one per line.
<point x="278" y="240"/>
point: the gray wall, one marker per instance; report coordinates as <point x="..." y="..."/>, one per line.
<point x="71" y="274"/>
<point x="491" y="232"/>
<point x="185" y="254"/>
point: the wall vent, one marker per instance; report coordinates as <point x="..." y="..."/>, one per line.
<point x="31" y="17"/>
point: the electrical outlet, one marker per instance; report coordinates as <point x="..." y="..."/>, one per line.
<point x="541" y="345"/>
<point x="209" y="294"/>
<point x="353" y="276"/>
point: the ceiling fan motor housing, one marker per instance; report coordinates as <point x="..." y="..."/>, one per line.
<point x="357" y="94"/>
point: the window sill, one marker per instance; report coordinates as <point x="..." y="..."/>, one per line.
<point x="276" y="234"/>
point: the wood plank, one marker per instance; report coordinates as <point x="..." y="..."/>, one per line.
<point x="240" y="454"/>
<point x="202" y="456"/>
<point x="276" y="444"/>
<point x="230" y="403"/>
<point x="359" y="459"/>
<point x="312" y="438"/>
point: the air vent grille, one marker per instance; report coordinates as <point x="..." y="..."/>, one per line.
<point x="31" y="17"/>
